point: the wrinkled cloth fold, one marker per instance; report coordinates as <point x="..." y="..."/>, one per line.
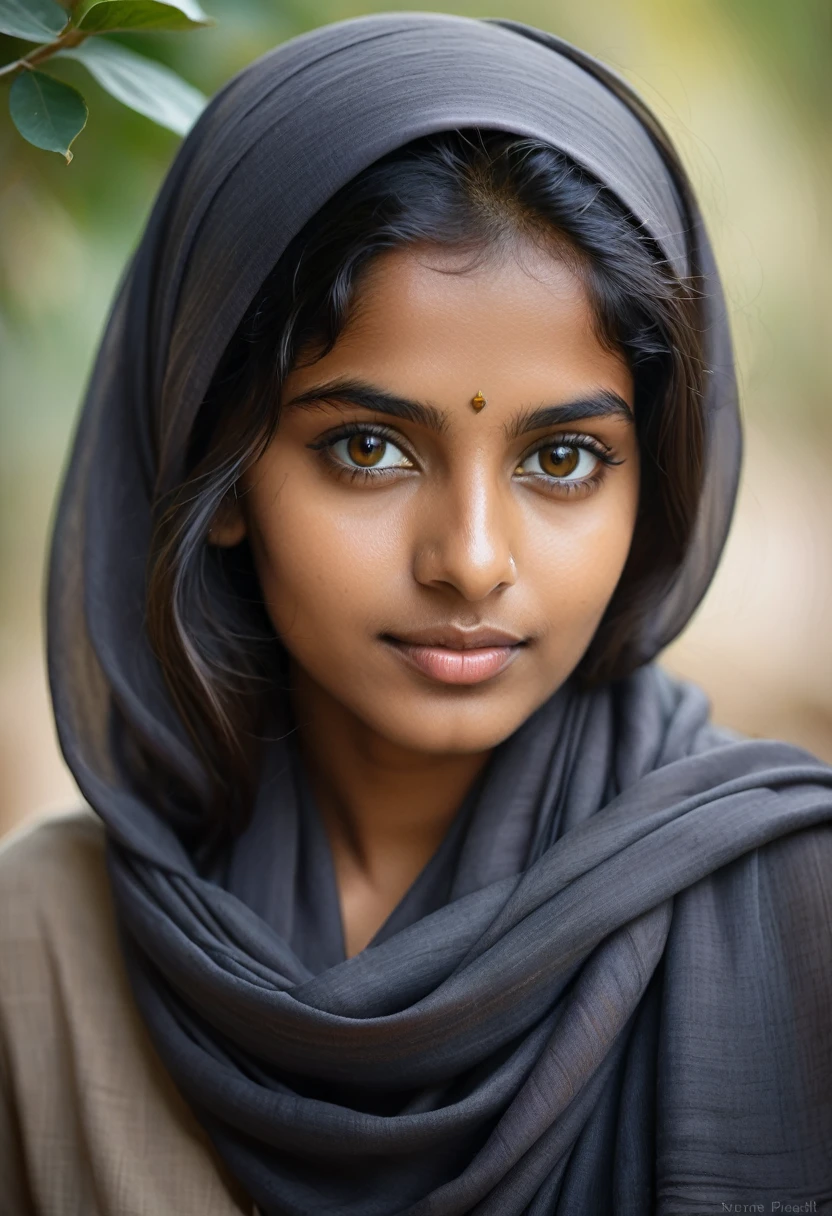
<point x="608" y="990"/>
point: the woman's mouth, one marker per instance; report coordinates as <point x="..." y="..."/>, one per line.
<point x="460" y="657"/>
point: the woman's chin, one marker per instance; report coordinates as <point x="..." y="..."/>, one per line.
<point x="427" y="725"/>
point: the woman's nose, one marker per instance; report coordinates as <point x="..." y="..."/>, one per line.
<point x="464" y="537"/>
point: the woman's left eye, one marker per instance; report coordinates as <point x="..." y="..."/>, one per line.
<point x="365" y="450"/>
<point x="561" y="462"/>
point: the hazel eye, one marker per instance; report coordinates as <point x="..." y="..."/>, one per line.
<point x="364" y="450"/>
<point x="562" y="461"/>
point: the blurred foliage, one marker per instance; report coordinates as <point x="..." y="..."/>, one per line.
<point x="796" y="42"/>
<point x="50" y="113"/>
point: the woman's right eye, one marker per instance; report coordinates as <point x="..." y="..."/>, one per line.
<point x="365" y="450"/>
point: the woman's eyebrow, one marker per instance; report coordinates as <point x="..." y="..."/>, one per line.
<point x="603" y="403"/>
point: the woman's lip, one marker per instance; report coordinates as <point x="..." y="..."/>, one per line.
<point x="470" y="666"/>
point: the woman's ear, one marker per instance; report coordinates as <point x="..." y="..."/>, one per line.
<point x="228" y="527"/>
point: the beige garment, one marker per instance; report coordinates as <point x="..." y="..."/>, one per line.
<point x="90" y="1122"/>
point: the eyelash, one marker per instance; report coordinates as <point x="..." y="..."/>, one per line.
<point x="567" y="439"/>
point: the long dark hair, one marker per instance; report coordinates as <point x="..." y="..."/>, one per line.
<point x="468" y="190"/>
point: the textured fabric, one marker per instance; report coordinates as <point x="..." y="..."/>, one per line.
<point x="90" y="1122"/>
<point x="605" y="993"/>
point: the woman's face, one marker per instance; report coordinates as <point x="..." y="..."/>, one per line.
<point x="435" y="570"/>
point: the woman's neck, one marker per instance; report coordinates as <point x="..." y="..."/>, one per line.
<point x="385" y="808"/>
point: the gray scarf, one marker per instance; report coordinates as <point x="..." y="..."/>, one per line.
<point x="608" y="991"/>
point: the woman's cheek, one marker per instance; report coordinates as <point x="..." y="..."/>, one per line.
<point x="320" y="570"/>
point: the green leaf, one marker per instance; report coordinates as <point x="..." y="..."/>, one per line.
<point x="47" y="112"/>
<point x="140" y="83"/>
<point x="34" y="20"/>
<point x="97" y="16"/>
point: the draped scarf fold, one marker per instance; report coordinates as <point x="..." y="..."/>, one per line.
<point x="608" y="990"/>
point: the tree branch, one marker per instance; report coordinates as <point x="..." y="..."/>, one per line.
<point x="41" y="53"/>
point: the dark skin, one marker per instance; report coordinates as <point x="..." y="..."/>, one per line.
<point x="426" y="516"/>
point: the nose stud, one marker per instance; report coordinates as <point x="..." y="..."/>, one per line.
<point x="478" y="401"/>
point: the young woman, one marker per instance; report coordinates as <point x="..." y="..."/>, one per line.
<point x="412" y="440"/>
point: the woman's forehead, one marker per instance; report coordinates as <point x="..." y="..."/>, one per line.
<point x="520" y="330"/>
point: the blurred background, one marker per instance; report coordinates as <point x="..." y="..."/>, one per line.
<point x="744" y="86"/>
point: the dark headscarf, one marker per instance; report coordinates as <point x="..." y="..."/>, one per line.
<point x="607" y="992"/>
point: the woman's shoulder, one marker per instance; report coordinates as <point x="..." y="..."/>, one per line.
<point x="764" y="921"/>
<point x="44" y="838"/>
<point x="52" y="875"/>
<point x="89" y="1118"/>
<point x="745" y="1011"/>
<point x="788" y="878"/>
